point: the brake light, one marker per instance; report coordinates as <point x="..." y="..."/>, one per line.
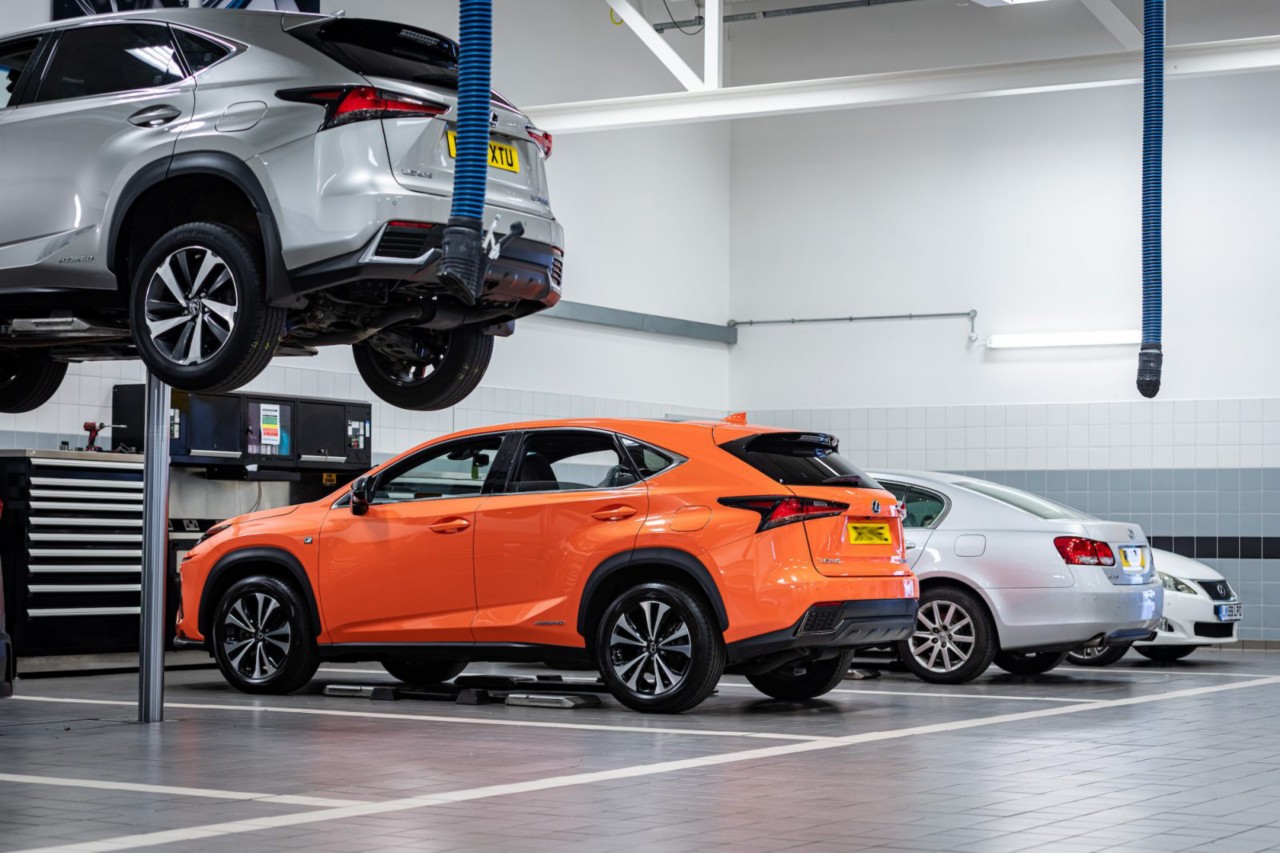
<point x="404" y="223"/>
<point x="541" y="137"/>
<point x="776" y="511"/>
<point x="363" y="103"/>
<point x="1076" y="551"/>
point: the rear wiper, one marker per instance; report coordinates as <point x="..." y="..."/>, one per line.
<point x="843" y="480"/>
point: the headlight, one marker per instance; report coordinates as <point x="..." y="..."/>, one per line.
<point x="212" y="532"/>
<point x="1174" y="585"/>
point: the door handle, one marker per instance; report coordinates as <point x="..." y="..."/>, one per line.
<point x="155" y="116"/>
<point x="614" y="513"/>
<point x="450" y="525"/>
<point x="911" y="546"/>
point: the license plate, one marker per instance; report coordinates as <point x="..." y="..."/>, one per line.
<point x="1133" y="557"/>
<point x="869" y="534"/>
<point x="504" y="157"/>
<point x="1230" y="612"/>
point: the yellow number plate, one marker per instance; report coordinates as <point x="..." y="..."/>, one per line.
<point x="869" y="534"/>
<point x="504" y="157"/>
<point x="1133" y="557"/>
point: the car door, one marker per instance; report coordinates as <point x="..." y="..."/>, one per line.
<point x="924" y="509"/>
<point x="109" y="100"/>
<point x="573" y="499"/>
<point x="403" y="571"/>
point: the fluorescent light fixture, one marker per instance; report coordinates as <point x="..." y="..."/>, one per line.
<point x="1004" y="2"/>
<point x="1120" y="337"/>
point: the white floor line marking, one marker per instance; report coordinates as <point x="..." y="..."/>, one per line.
<point x="1154" y="671"/>
<point x="1001" y="696"/>
<point x="472" y="721"/>
<point x="175" y="791"/>
<point x="151" y="839"/>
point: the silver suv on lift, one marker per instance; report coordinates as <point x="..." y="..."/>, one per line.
<point x="205" y="189"/>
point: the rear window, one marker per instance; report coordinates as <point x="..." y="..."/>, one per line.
<point x="385" y="49"/>
<point x="800" y="459"/>
<point x="1025" y="501"/>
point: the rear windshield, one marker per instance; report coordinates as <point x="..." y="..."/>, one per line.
<point x="1025" y="501"/>
<point x="800" y="459"/>
<point x="384" y="49"/>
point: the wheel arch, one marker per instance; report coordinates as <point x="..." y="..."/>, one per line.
<point x="639" y="566"/>
<point x="161" y="182"/>
<point x="237" y="565"/>
<point x="935" y="581"/>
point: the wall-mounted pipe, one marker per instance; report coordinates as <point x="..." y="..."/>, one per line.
<point x="1151" y="355"/>
<point x="970" y="315"/>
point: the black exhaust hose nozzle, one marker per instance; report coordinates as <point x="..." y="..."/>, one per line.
<point x="1150" y="363"/>
<point x="464" y="265"/>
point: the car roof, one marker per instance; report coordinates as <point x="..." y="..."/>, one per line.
<point x="923" y="478"/>
<point x="220" y="21"/>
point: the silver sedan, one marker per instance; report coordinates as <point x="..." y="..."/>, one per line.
<point x="1012" y="578"/>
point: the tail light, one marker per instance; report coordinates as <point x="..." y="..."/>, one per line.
<point x="363" y="103"/>
<point x="1084" y="552"/>
<point x="541" y="137"/>
<point x="785" y="509"/>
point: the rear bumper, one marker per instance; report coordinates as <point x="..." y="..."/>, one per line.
<point x="1063" y="618"/>
<point x="8" y="665"/>
<point x="853" y="624"/>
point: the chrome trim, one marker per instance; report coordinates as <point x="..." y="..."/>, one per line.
<point x="43" y="612"/>
<point x="82" y="552"/>
<point x="45" y="521"/>
<point x="93" y="587"/>
<point x="371" y="254"/>
<point x="88" y="507"/>
<point x="84" y="570"/>
<point x="135" y="485"/>
<point x="86" y="463"/>
<point x="95" y="537"/>
<point x="321" y="457"/>
<point x="217" y="454"/>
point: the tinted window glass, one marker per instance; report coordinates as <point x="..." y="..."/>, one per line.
<point x="1024" y="501"/>
<point x="570" y="460"/>
<point x="384" y="49"/>
<point x="647" y="460"/>
<point x="453" y="470"/>
<point x="800" y="459"/>
<point x="99" y="60"/>
<point x="924" y="509"/>
<point x="14" y="56"/>
<point x="199" y="52"/>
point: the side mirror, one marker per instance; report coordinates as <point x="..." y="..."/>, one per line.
<point x="361" y="496"/>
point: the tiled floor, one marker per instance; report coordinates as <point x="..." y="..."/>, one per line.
<point x="1136" y="757"/>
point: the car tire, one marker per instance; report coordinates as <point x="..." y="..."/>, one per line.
<point x="1164" y="654"/>
<point x="199" y="310"/>
<point x="659" y="648"/>
<point x="453" y="363"/>
<point x="263" y="637"/>
<point x="934" y="619"/>
<point x="1029" y="663"/>
<point x="1098" y="656"/>
<point x="417" y="672"/>
<point x="796" y="682"/>
<point x="28" y="379"/>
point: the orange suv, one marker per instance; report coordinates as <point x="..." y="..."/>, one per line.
<point x="663" y="553"/>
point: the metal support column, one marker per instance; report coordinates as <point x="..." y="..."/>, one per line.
<point x="155" y="552"/>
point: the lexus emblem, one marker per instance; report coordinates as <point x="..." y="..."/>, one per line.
<point x="1132" y="535"/>
<point x="875" y="507"/>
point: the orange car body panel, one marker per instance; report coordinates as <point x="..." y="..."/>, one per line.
<point x="387" y="577"/>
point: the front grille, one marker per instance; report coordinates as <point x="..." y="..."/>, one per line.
<point x="1217" y="590"/>
<point x="1214" y="630"/>
<point x="557" y="271"/>
<point x="403" y="242"/>
<point x="821" y="620"/>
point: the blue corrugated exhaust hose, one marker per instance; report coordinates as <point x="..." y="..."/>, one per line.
<point x="462" y="268"/>
<point x="1151" y="357"/>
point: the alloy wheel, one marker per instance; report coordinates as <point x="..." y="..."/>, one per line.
<point x="1089" y="652"/>
<point x="944" y="638"/>
<point x="192" y="302"/>
<point x="257" y="635"/>
<point x="650" y="648"/>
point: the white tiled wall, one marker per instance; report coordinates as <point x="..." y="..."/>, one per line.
<point x="1101" y="435"/>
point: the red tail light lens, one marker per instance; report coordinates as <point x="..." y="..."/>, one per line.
<point x="541" y="137"/>
<point x="1084" y="552"/>
<point x="776" y="511"/>
<point x="363" y="103"/>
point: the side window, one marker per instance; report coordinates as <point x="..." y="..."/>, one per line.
<point x="924" y="509"/>
<point x="457" y="469"/>
<point x="199" y="52"/>
<point x="99" y="60"/>
<point x="14" y="56"/>
<point x="570" y="460"/>
<point x="647" y="460"/>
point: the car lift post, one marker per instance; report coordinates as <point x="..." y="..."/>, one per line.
<point x="155" y="549"/>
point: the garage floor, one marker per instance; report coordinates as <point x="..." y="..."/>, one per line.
<point x="1136" y="757"/>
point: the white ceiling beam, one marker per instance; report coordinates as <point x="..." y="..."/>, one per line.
<point x="910" y="87"/>
<point x="657" y="45"/>
<point x="1116" y="22"/>
<point x="713" y="38"/>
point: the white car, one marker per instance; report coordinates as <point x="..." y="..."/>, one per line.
<point x="1200" y="609"/>
<point x="1012" y="578"/>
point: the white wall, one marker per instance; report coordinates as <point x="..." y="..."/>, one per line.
<point x="1025" y="208"/>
